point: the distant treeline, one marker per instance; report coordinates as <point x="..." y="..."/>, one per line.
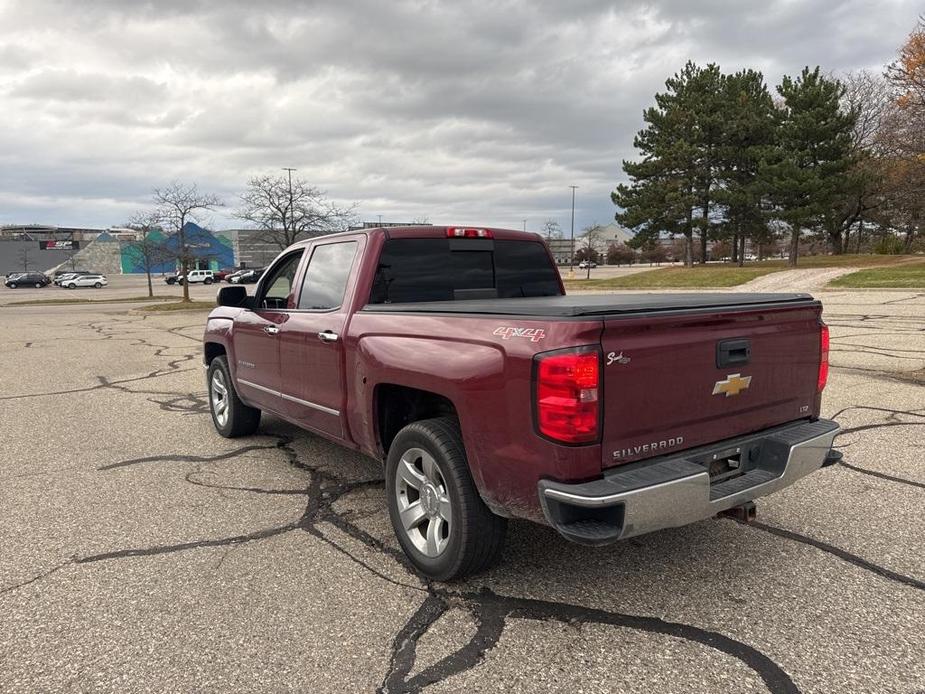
<point x="834" y="159"/>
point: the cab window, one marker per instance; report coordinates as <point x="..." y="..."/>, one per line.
<point x="326" y="277"/>
<point x="278" y="284"/>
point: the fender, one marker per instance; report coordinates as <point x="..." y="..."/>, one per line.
<point x="468" y="374"/>
<point x="219" y="330"/>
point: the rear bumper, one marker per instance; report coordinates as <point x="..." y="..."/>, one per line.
<point x="672" y="491"/>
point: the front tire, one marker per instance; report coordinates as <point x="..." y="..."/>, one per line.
<point x="13" y="285"/>
<point x="38" y="285"/>
<point x="98" y="285"/>
<point x="441" y="522"/>
<point x="231" y="417"/>
<point x="207" y="281"/>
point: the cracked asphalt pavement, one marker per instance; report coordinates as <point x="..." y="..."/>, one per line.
<point x="140" y="551"/>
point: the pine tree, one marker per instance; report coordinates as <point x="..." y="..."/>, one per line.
<point x="748" y="138"/>
<point x="806" y="172"/>
<point x="671" y="187"/>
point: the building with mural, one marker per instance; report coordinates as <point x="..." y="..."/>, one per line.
<point x="209" y="251"/>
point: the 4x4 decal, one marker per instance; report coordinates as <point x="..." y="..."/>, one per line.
<point x="533" y="334"/>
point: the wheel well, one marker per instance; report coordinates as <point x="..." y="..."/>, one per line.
<point x="212" y="350"/>
<point x="397" y="406"/>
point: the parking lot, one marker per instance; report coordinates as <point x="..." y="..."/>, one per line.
<point x="141" y="551"/>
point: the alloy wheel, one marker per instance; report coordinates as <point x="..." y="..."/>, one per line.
<point x="219" y="397"/>
<point x="423" y="502"/>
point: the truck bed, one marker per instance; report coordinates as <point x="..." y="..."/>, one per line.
<point x="574" y="305"/>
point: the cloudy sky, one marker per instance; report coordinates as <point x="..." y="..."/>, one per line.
<point x="463" y="112"/>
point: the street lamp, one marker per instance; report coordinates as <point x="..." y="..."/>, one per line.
<point x="571" y="255"/>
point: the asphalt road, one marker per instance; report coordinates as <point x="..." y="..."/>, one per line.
<point x="139" y="551"/>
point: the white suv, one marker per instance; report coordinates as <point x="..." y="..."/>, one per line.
<point x="98" y="281"/>
<point x="195" y="276"/>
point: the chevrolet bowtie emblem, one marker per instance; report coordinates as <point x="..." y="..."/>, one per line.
<point x="733" y="384"/>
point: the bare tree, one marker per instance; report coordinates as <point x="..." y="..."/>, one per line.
<point x="150" y="251"/>
<point x="590" y="244"/>
<point x="174" y="206"/>
<point x="287" y="209"/>
<point x="868" y="96"/>
<point x="551" y="229"/>
<point x="24" y="258"/>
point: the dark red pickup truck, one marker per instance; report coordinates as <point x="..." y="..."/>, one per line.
<point x="454" y="355"/>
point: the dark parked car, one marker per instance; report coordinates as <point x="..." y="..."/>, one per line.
<point x="247" y="276"/>
<point x="26" y="279"/>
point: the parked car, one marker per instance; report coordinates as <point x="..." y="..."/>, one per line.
<point x="247" y="276"/>
<point x="198" y="277"/>
<point x="26" y="279"/>
<point x="584" y="265"/>
<point x="230" y="278"/>
<point x="60" y="275"/>
<point x="97" y="281"/>
<point x="454" y="355"/>
<point x="193" y="277"/>
<point x="220" y="275"/>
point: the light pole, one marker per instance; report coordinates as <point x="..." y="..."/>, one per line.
<point x="571" y="255"/>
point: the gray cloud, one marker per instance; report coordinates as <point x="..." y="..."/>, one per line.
<point x="465" y="112"/>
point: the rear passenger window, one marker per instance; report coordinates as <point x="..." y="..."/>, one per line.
<point x="412" y="270"/>
<point x="326" y="278"/>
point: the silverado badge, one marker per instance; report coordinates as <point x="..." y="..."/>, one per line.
<point x="733" y="384"/>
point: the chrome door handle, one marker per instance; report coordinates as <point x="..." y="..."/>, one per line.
<point x="271" y="330"/>
<point x="328" y="336"/>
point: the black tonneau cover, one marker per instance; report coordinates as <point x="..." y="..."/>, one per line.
<point x="598" y="304"/>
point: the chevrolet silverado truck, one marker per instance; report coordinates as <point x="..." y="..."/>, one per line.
<point x="454" y="355"/>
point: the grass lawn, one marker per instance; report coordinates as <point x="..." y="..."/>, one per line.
<point x="679" y="277"/>
<point x="729" y="275"/>
<point x="905" y="276"/>
<point x="182" y="306"/>
<point x="131" y="299"/>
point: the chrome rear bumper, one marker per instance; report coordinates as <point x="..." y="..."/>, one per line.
<point x="676" y="490"/>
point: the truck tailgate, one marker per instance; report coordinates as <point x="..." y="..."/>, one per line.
<point x="681" y="379"/>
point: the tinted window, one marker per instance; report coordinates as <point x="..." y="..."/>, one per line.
<point x="326" y="278"/>
<point x="445" y="269"/>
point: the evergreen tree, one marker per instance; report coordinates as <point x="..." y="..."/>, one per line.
<point x="671" y="186"/>
<point x="806" y="172"/>
<point x="748" y="138"/>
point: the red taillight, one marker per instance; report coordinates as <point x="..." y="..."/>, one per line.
<point x="823" y="358"/>
<point x="567" y="396"/>
<point x="467" y="233"/>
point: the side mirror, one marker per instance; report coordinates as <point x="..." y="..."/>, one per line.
<point x="235" y="296"/>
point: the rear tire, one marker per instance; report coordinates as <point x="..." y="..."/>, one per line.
<point x="231" y="417"/>
<point x="441" y="522"/>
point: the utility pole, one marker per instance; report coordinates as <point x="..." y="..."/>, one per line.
<point x="289" y="210"/>
<point x="571" y="255"/>
<point x="525" y="225"/>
